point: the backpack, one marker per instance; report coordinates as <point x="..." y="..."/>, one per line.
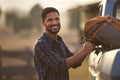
<point x="104" y="31"/>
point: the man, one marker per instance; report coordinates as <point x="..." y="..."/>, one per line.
<point x="52" y="57"/>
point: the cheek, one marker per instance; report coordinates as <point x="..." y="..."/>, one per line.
<point x="44" y="24"/>
<point x="48" y="26"/>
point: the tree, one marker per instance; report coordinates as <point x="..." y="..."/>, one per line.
<point x="0" y="12"/>
<point x="75" y="22"/>
<point x="11" y="17"/>
<point x="18" y="23"/>
<point x="26" y="21"/>
<point x="35" y="15"/>
<point x="22" y="23"/>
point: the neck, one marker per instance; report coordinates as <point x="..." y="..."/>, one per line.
<point x="53" y="36"/>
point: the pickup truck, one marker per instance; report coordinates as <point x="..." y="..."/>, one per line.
<point x="106" y="65"/>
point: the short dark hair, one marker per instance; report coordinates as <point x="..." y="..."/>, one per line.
<point x="48" y="10"/>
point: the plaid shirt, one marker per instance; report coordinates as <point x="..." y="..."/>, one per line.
<point x="50" y="58"/>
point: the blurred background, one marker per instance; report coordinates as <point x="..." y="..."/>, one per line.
<point x="20" y="27"/>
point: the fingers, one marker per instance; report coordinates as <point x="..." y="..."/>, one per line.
<point x="89" y="46"/>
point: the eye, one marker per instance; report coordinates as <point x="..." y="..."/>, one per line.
<point x="49" y="20"/>
<point x="57" y="19"/>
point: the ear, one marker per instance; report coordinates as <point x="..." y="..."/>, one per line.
<point x="43" y="23"/>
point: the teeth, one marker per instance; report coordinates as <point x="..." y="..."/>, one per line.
<point x="55" y="27"/>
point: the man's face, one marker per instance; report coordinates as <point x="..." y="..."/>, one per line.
<point x="52" y="22"/>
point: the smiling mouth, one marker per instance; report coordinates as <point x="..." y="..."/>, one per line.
<point x="55" y="27"/>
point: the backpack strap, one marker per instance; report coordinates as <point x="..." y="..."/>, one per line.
<point x="95" y="20"/>
<point x="114" y="22"/>
<point x="92" y="37"/>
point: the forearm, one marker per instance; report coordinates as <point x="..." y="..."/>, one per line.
<point x="77" y="58"/>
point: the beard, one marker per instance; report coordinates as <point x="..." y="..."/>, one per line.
<point x="54" y="29"/>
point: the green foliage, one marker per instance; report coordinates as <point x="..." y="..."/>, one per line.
<point x="18" y="23"/>
<point x="35" y="15"/>
<point x="25" y="22"/>
<point x="0" y="11"/>
<point x="11" y="17"/>
<point x="74" y="19"/>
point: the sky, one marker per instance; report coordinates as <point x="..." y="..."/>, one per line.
<point x="26" y="5"/>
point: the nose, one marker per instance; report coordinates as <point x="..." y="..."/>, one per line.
<point x="55" y="22"/>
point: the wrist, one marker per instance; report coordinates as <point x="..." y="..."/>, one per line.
<point x="85" y="51"/>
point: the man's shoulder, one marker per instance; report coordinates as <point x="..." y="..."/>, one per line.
<point x="41" y="40"/>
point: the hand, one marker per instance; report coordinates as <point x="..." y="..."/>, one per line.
<point x="88" y="46"/>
